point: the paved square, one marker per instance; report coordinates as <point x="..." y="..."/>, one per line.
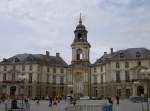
<point x="125" y="105"/>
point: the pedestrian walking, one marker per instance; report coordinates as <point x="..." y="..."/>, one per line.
<point x="50" y="101"/>
<point x="58" y="99"/>
<point x="117" y="98"/>
<point x="27" y="105"/>
<point x="110" y="100"/>
<point x="55" y="101"/>
<point x="38" y="102"/>
<point x="117" y="104"/>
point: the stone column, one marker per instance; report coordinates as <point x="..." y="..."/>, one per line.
<point x="134" y="90"/>
<point x="145" y="89"/>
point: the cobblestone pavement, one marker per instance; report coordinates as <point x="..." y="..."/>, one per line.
<point x="125" y="105"/>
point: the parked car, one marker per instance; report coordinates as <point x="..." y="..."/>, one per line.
<point x="137" y="99"/>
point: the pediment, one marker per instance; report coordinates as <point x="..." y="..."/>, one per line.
<point x="138" y="68"/>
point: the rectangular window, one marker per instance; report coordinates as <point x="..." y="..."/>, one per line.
<point x="47" y="78"/>
<point x="101" y="68"/>
<point x="126" y="64"/>
<point x="95" y="69"/>
<point x="30" y="77"/>
<point x="23" y="67"/>
<point x="54" y="79"/>
<point x="38" y="77"/>
<point x="127" y="76"/>
<point x="14" y="67"/>
<point x="102" y="79"/>
<point x="30" y="67"/>
<point x="62" y="70"/>
<point x="47" y="69"/>
<point x="95" y="79"/>
<point x="61" y="80"/>
<point x="5" y="68"/>
<point x="13" y="76"/>
<point x="46" y="90"/>
<point x="38" y="68"/>
<point x="139" y="63"/>
<point x="4" y="77"/>
<point x="117" y="65"/>
<point x="62" y="90"/>
<point x="117" y="76"/>
<point x="30" y="91"/>
<point x="54" y="70"/>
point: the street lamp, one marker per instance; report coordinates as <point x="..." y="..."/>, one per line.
<point x="23" y="78"/>
<point x="146" y="72"/>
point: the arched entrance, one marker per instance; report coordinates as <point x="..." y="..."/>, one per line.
<point x="140" y="90"/>
<point x="12" y="91"/>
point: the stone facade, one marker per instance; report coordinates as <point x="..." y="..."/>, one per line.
<point x="123" y="73"/>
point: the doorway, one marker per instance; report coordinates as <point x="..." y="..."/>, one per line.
<point x="140" y="90"/>
<point x="12" y="91"/>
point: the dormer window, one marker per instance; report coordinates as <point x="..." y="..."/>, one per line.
<point x="16" y="60"/>
<point x="138" y="54"/>
<point x="121" y="55"/>
<point x="29" y="58"/>
<point x="4" y="60"/>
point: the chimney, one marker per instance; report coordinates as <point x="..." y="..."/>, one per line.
<point x="57" y="54"/>
<point x="105" y="53"/>
<point x="47" y="53"/>
<point x="111" y="50"/>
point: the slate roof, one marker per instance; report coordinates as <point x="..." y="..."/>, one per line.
<point x="127" y="54"/>
<point x="35" y="58"/>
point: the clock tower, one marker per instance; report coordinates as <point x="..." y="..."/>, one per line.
<point x="80" y="64"/>
<point x="80" y="45"/>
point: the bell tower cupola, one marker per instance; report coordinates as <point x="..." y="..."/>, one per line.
<point x="80" y="45"/>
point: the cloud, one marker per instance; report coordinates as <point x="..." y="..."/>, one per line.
<point x="33" y="26"/>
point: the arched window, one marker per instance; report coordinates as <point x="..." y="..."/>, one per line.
<point x="79" y="54"/>
<point x="79" y="36"/>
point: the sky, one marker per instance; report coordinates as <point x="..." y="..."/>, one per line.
<point x="34" y="26"/>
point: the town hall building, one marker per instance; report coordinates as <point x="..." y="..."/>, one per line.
<point x="117" y="73"/>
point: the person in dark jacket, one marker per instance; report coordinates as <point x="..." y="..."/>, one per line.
<point x="50" y="101"/>
<point x="117" y="98"/>
<point x="14" y="104"/>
